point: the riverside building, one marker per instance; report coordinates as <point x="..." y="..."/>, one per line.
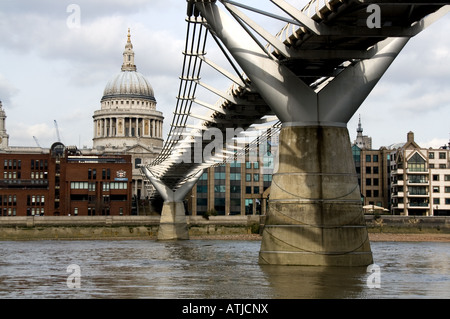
<point x="237" y="188"/>
<point x="403" y="178"/>
<point x="62" y="182"/>
<point x="420" y="180"/>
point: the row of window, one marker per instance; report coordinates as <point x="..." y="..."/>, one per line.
<point x="91" y="186"/>
<point x="11" y="200"/>
<point x="9" y="211"/>
<point x="92" y="173"/>
<point x="437" y="201"/>
<point x="12" y="164"/>
<point x="442" y="155"/>
<point x="203" y="189"/>
<point x="237" y="177"/>
<point x="8" y="200"/>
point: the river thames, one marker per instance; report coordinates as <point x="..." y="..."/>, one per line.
<point x="212" y="269"/>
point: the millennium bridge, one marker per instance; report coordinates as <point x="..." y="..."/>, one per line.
<point x="304" y="83"/>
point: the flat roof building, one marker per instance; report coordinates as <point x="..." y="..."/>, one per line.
<point x="63" y="182"/>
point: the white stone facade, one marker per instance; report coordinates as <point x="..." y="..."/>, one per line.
<point x="420" y="180"/>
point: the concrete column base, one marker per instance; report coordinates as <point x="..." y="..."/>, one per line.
<point x="173" y="224"/>
<point x="315" y="214"/>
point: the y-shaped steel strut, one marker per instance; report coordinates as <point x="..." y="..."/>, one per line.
<point x="173" y="223"/>
<point x="315" y="213"/>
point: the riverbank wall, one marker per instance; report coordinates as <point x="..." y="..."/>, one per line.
<point x="118" y="227"/>
<point x="146" y="227"/>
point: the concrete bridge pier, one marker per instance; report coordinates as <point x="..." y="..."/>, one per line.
<point x="173" y="223"/>
<point x="315" y="214"/>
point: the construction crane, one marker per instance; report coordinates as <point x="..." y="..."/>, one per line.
<point x="57" y="131"/>
<point x="36" y="140"/>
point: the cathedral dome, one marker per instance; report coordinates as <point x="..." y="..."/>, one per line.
<point x="128" y="84"/>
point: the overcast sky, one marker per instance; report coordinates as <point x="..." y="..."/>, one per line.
<point x="52" y="71"/>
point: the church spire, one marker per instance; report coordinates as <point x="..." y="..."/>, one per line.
<point x="128" y="55"/>
<point x="359" y="130"/>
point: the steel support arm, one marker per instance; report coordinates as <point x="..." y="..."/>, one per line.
<point x="294" y="102"/>
<point x="168" y="194"/>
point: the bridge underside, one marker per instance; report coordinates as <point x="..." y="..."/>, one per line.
<point x="313" y="81"/>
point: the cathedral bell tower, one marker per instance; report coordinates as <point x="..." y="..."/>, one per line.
<point x="4" y="137"/>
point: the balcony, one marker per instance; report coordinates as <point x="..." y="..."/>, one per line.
<point x="418" y="205"/>
<point x="398" y="194"/>
<point x="417" y="182"/>
<point x="418" y="194"/>
<point x="417" y="171"/>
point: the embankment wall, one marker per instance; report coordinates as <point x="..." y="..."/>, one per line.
<point x="146" y="227"/>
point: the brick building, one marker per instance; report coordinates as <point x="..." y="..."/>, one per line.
<point x="64" y="182"/>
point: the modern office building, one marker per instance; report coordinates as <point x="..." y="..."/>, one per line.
<point x="241" y="187"/>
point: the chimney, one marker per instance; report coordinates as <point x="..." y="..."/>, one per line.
<point x="410" y="137"/>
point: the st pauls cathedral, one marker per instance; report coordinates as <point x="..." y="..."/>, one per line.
<point x="127" y="122"/>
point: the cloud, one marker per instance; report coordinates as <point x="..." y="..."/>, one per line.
<point x="7" y="91"/>
<point x="22" y="133"/>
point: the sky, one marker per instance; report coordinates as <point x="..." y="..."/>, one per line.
<point x="57" y="56"/>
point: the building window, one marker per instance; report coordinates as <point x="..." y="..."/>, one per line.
<point x="235" y="164"/>
<point x="248" y="177"/>
<point x="416" y="163"/>
<point x="248" y="189"/>
<point x="436" y="201"/>
<point x="447" y="189"/>
<point x="368" y="182"/>
<point x="368" y="170"/>
<point x="256" y="177"/>
<point x="137" y="162"/>
<point x="219" y="175"/>
<point x="431" y="155"/>
<point x="235" y="189"/>
<point x="75" y="211"/>
<point x="375" y="158"/>
<point x="436" y="189"/>
<point x="368" y="158"/>
<point x="219" y="188"/>
<point x="248" y="165"/>
<point x="435" y="178"/>
<point x="235" y="176"/>
<point x="442" y="155"/>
